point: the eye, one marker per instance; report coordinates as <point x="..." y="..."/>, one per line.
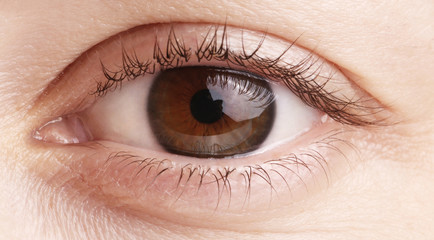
<point x="196" y="117"/>
<point x="199" y="111"/>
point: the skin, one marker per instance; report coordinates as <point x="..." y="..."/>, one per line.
<point x="386" y="49"/>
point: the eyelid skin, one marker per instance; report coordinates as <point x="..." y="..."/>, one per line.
<point x="180" y="189"/>
<point x="87" y="69"/>
<point x="315" y="81"/>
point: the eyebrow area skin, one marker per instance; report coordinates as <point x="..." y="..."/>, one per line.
<point x="385" y="48"/>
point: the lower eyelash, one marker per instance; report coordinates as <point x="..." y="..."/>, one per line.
<point x="147" y="171"/>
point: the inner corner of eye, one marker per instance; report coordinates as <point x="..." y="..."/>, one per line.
<point x="68" y="129"/>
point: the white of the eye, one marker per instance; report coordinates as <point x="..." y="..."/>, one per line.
<point x="293" y="118"/>
<point x="122" y="116"/>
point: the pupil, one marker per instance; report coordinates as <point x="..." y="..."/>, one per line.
<point x="204" y="108"/>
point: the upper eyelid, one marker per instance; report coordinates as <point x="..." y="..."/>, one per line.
<point x="360" y="111"/>
<point x="373" y="113"/>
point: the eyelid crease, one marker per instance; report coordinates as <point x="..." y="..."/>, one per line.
<point x="355" y="110"/>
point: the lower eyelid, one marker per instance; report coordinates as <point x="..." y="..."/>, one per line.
<point x="149" y="182"/>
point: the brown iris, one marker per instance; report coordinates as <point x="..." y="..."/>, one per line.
<point x="210" y="112"/>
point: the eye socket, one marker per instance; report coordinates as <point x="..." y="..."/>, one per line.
<point x="279" y="158"/>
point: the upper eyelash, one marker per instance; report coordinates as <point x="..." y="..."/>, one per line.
<point x="214" y="46"/>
